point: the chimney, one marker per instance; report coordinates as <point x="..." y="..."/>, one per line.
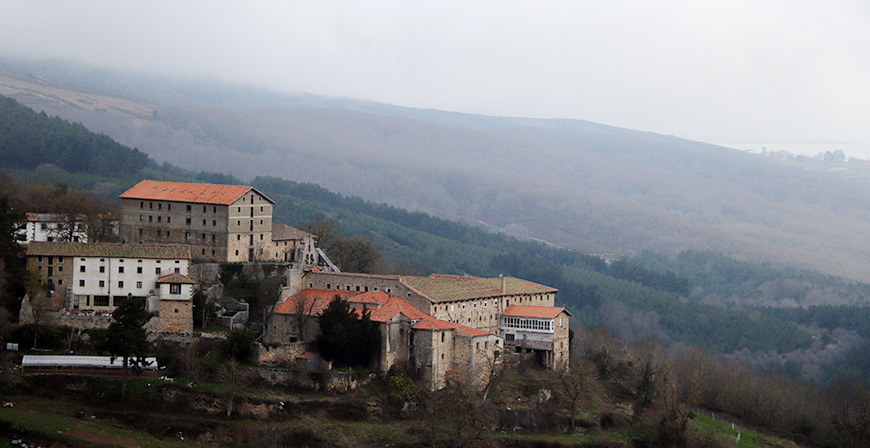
<point x="502" y="283"/>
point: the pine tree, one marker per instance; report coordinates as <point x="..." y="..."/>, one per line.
<point x="126" y="338"/>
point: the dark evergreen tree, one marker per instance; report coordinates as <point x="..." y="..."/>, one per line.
<point x="126" y="338"/>
<point x="346" y="338"/>
<point x="11" y="254"/>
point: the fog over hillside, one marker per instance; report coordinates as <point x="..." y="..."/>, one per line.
<point x="568" y="182"/>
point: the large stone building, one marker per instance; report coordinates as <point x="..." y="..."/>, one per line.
<point x="489" y="305"/>
<point x="221" y="223"/>
<point x="471" y="301"/>
<point x="94" y="278"/>
<point x="433" y="348"/>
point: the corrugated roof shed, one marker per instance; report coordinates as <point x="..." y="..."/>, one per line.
<point x="79" y="361"/>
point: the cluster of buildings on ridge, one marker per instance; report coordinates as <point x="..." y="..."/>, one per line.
<point x="439" y="326"/>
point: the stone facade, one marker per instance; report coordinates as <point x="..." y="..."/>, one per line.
<point x="409" y="338"/>
<point x="222" y="223"/>
<point x="544" y="330"/>
<point x="291" y="245"/>
<point x="98" y="276"/>
<point x="478" y="303"/>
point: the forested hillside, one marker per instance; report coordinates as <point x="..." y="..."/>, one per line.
<point x="28" y="140"/>
<point x="664" y="297"/>
<point x="575" y="184"/>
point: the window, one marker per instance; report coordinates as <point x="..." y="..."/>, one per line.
<point x="157" y="270"/>
<point x="121" y="284"/>
<point x="101" y="300"/>
<point x="139" y="285"/>
<point x="150" y="218"/>
<point x="175" y="288"/>
<point x="102" y="269"/>
<point x="509" y="337"/>
<point x="214" y="209"/>
<point x="214" y="222"/>
<point x="82" y="268"/>
<point x="187" y="221"/>
<point x="102" y="283"/>
<point x="188" y="208"/>
<point x="141" y="204"/>
<point x="138" y="269"/>
<point x="178" y="270"/>
<point x="168" y="219"/>
<point x="159" y="218"/>
<point x="120" y="269"/>
<point x="159" y="206"/>
<point x="82" y="283"/>
<point x="150" y="205"/>
<point x="168" y="207"/>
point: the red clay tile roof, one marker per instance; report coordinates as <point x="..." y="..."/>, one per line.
<point x="109" y="250"/>
<point x="175" y="278"/>
<point x="282" y="232"/>
<point x="434" y="324"/>
<point x="442" y="288"/>
<point x="540" y="312"/>
<point x="382" y="307"/>
<point x="188" y="192"/>
<point x="312" y="301"/>
<point x="473" y="332"/>
<point x="385" y="307"/>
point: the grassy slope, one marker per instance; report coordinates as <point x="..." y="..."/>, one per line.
<point x="80" y="423"/>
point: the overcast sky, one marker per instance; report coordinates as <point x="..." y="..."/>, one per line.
<point x="718" y="71"/>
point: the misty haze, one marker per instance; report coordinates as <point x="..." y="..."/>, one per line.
<point x="710" y="285"/>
